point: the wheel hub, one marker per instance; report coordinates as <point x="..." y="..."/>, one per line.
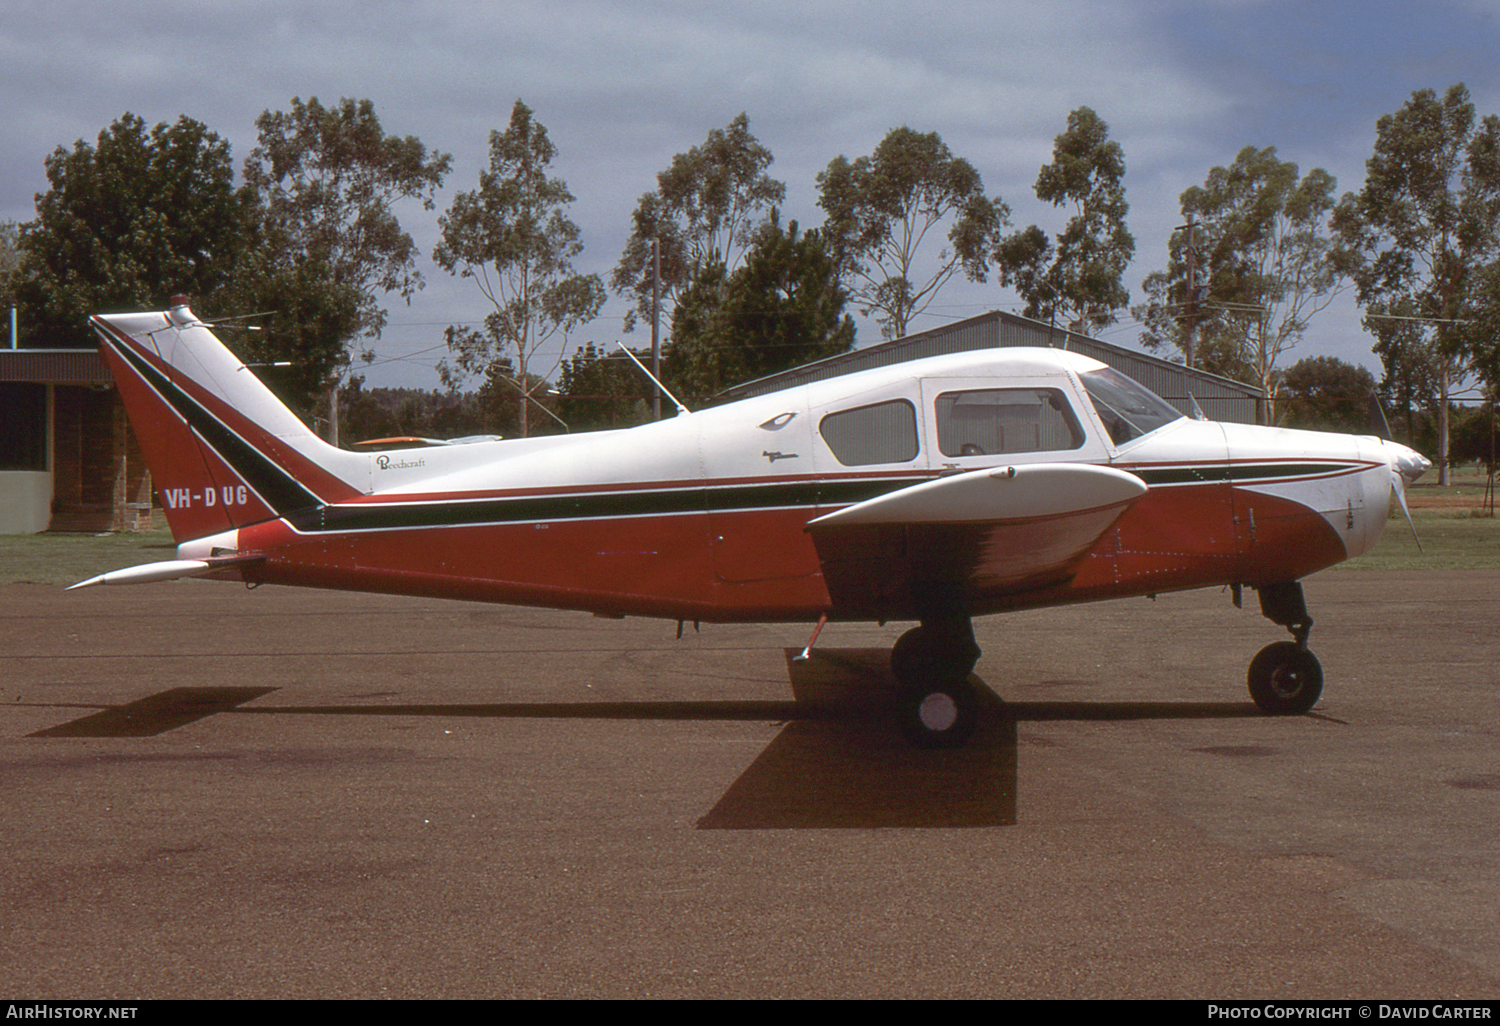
<point x="1286" y="682"/>
<point x="938" y="712"/>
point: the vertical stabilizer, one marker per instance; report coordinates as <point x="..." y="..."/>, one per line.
<point x="224" y="452"/>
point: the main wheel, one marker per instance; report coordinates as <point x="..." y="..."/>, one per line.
<point x="1285" y="679"/>
<point x="938" y="715"/>
<point x="928" y="653"/>
<point x="911" y="656"/>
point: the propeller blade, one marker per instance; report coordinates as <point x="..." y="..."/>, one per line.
<point x="1398" y="487"/>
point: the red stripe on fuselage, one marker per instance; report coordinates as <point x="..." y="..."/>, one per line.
<point x="379" y="498"/>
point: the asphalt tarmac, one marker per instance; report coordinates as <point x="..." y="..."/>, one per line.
<point x="212" y="793"/>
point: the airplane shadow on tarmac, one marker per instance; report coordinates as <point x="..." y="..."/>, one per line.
<point x="839" y="761"/>
<point x="844" y="763"/>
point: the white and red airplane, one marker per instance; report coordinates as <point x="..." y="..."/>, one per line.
<point x="934" y="491"/>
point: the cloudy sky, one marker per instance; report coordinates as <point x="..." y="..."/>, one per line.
<point x="622" y="87"/>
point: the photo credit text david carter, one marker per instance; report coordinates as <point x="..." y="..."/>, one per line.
<point x="1368" y="1010"/>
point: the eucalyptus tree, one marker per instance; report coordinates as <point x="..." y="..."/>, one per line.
<point x="10" y="265"/>
<point x="883" y="211"/>
<point x="328" y="180"/>
<point x="783" y="306"/>
<point x="707" y="206"/>
<point x="511" y="236"/>
<point x="1264" y="262"/>
<point x="1081" y="278"/>
<point x="598" y="389"/>
<point x="1481" y="332"/>
<point x="1423" y="229"/>
<point x="10" y="247"/>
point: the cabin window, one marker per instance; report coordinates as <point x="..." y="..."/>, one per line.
<point x="996" y="421"/>
<point x="882" y="433"/>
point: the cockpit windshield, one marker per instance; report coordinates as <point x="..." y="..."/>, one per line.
<point x="1128" y="409"/>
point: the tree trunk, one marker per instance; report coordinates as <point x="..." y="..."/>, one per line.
<point x="1444" y="383"/>
<point x="331" y="430"/>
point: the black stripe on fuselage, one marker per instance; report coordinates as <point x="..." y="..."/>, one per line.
<point x="1243" y="473"/>
<point x="717" y="498"/>
<point x="710" y="498"/>
<point x="306" y="512"/>
<point x="277" y="489"/>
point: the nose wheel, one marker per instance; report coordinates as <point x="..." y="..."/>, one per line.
<point x="1285" y="679"/>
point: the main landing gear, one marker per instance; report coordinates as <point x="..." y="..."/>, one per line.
<point x="937" y="706"/>
<point x="1285" y="679"/>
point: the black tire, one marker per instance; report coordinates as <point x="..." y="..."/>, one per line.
<point x="938" y="715"/>
<point x="927" y="654"/>
<point x="911" y="658"/>
<point x="1285" y="679"/>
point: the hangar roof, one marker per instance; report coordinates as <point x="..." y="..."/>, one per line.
<point x="1218" y="397"/>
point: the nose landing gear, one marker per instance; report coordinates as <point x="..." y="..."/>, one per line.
<point x="1285" y="679"/>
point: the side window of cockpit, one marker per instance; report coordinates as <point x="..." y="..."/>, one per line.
<point x="996" y="421"/>
<point x="882" y="433"/>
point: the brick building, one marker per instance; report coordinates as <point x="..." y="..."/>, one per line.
<point x="68" y="459"/>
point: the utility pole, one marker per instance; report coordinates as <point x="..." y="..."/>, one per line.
<point x="1190" y="311"/>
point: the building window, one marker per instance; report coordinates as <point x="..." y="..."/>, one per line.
<point x="882" y="433"/>
<point x="997" y="421"/>
<point x="23" y="426"/>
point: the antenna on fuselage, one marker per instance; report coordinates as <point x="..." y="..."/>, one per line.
<point x="1379" y="426"/>
<point x="654" y="380"/>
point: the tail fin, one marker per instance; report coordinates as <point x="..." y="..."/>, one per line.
<point x="223" y="450"/>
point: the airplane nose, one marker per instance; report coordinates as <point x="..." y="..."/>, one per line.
<point x="1407" y="462"/>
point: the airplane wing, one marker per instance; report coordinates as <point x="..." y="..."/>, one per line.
<point x="988" y="533"/>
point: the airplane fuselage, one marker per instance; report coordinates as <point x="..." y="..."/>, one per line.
<point x="705" y="517"/>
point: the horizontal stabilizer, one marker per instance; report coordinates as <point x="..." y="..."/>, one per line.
<point x="1000" y="493"/>
<point x="169" y="570"/>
